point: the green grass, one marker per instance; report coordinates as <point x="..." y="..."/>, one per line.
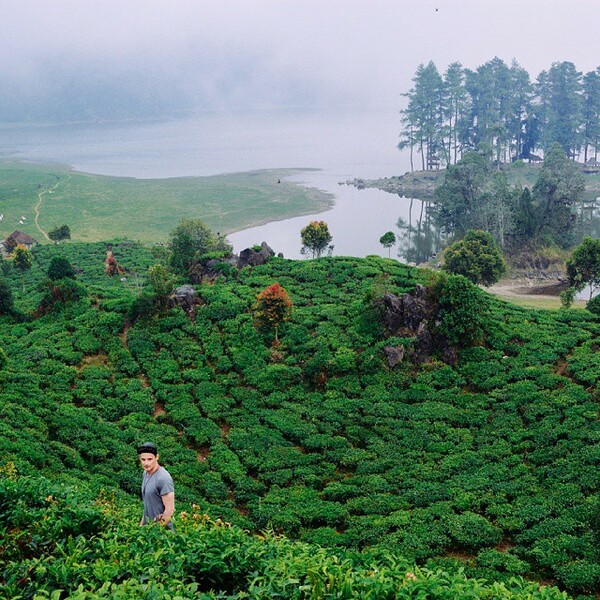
<point x="98" y="207"/>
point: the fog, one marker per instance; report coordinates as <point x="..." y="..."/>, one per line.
<point x="65" y="60"/>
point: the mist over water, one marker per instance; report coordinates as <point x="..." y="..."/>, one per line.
<point x="339" y="145"/>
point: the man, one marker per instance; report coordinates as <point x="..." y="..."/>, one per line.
<point x="158" y="492"/>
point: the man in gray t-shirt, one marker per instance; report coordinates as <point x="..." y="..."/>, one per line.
<point x="158" y="492"/>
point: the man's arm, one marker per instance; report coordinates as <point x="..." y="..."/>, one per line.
<point x="169" y="502"/>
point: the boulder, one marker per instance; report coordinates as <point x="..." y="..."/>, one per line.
<point x="394" y="354"/>
<point x="254" y="258"/>
<point x="415" y="308"/>
<point x="410" y="315"/>
<point x="405" y="312"/>
<point x="185" y="296"/>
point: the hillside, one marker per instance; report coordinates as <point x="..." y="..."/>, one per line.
<point x="488" y="464"/>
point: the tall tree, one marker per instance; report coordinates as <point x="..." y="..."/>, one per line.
<point x="455" y="109"/>
<point x="591" y="113"/>
<point x="524" y="218"/>
<point x="459" y="196"/>
<point x="520" y="110"/>
<point x="423" y="116"/>
<point x="490" y="90"/>
<point x="559" y="186"/>
<point x="559" y="90"/>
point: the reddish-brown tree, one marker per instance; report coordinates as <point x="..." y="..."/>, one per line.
<point x="273" y="307"/>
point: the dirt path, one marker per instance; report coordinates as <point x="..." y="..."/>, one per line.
<point x="39" y="204"/>
<point x="535" y="295"/>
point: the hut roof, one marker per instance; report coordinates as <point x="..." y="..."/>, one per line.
<point x="19" y="237"/>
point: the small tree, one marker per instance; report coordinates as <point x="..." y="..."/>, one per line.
<point x="22" y="260"/>
<point x="387" y="240"/>
<point x="461" y="309"/>
<point x="583" y="268"/>
<point x="3" y="359"/>
<point x="189" y="241"/>
<point x="60" y="268"/>
<point x="63" y="232"/>
<point x="316" y="238"/>
<point x="476" y="257"/>
<point x="162" y="282"/>
<point x="273" y="307"/>
<point x="58" y="293"/>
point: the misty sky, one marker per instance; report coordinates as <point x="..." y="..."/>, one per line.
<point x="63" y="59"/>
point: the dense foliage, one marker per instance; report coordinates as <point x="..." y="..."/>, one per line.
<point x="189" y="241"/>
<point x="477" y="257"/>
<point x="583" y="268"/>
<point x="489" y="465"/>
<point x="472" y="196"/>
<point x="64" y="542"/>
<point x="60" y="233"/>
<point x="499" y="108"/>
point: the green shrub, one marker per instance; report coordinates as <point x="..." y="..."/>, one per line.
<point x="593" y="305"/>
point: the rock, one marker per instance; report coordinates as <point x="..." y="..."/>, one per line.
<point x="394" y="355"/>
<point x="410" y="315"/>
<point x="253" y="258"/>
<point x="393" y="312"/>
<point x="185" y="296"/>
<point x="248" y="257"/>
<point x="404" y="312"/>
<point x="415" y="308"/>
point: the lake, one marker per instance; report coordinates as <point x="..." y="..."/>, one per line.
<point x="341" y="145"/>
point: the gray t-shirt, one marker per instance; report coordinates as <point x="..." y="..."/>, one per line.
<point x="153" y="488"/>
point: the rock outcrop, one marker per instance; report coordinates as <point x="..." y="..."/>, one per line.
<point x="250" y="257"/>
<point x="253" y="258"/>
<point x="185" y="297"/>
<point x="412" y="316"/>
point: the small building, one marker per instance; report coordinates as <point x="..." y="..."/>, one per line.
<point x="591" y="166"/>
<point x="17" y="238"/>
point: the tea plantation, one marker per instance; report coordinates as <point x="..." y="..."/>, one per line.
<point x="362" y="480"/>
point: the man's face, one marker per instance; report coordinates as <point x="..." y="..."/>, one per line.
<point x="149" y="462"/>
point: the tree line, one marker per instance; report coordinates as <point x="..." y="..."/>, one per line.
<point x="498" y="108"/>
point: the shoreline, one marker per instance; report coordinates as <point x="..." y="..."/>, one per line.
<point x="99" y="207"/>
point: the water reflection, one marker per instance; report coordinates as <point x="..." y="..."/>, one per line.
<point x="357" y="221"/>
<point x="588" y="218"/>
<point x="419" y="240"/>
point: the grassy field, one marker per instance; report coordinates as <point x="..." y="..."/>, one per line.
<point x="98" y="207"/>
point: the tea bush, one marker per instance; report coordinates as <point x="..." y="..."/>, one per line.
<point x="316" y="438"/>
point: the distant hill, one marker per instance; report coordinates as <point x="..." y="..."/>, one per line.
<point x="486" y="463"/>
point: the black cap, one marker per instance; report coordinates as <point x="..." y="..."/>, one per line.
<point x="148" y="447"/>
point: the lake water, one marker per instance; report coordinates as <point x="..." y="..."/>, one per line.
<point x="341" y="145"/>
